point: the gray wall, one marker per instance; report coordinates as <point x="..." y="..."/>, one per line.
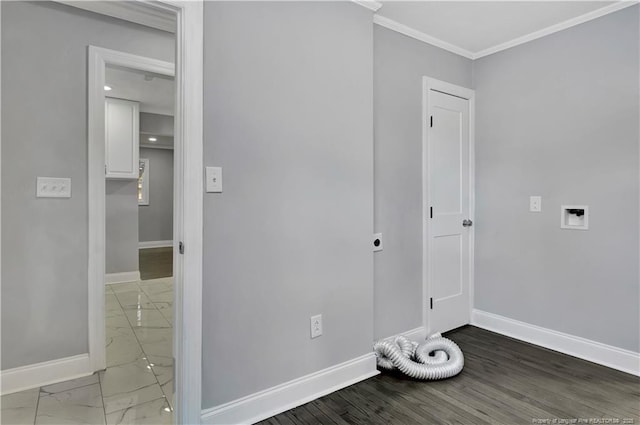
<point x="121" y="226"/>
<point x="157" y="124"/>
<point x="558" y="117"/>
<point x="156" y="219"/>
<point x="44" y="133"/>
<point x="288" y="115"/>
<point x="400" y="62"/>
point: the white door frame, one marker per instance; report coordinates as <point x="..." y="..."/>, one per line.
<point x="188" y="199"/>
<point x="99" y="58"/>
<point x="429" y="84"/>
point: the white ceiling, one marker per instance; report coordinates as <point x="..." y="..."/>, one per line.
<point x="155" y="96"/>
<point x="477" y="28"/>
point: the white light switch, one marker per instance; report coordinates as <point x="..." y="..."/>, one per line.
<point x="535" y="203"/>
<point x="213" y="177"/>
<point x="53" y="187"/>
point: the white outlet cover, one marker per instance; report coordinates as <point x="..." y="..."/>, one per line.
<point x="53" y="187"/>
<point x="535" y="204"/>
<point x="316" y="325"/>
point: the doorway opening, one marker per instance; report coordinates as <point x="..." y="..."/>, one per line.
<point x="62" y="109"/>
<point x="186" y="21"/>
<point x="139" y="290"/>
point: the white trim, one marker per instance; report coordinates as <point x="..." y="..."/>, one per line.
<point x="614" y="7"/>
<point x="596" y="352"/>
<point x="368" y="4"/>
<point x="132" y="11"/>
<point x="188" y="210"/>
<point x="418" y="35"/>
<point x="472" y="198"/>
<point x="98" y="59"/>
<point x="150" y="146"/>
<point x="122" y="277"/>
<point x="416" y="334"/>
<point x="45" y="373"/>
<point x="154" y="244"/>
<point x="426" y="38"/>
<point x="278" y="399"/>
<point x="429" y="84"/>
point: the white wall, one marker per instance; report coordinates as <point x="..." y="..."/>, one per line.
<point x="559" y="117"/>
<point x="400" y="62"/>
<point x="44" y="133"/>
<point x="288" y="115"/>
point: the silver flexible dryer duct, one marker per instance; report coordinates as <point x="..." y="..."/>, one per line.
<point x="416" y="360"/>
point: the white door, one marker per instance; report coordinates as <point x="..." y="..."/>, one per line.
<point x="449" y="213"/>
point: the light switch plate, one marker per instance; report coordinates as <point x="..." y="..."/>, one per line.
<point x="535" y="204"/>
<point x="213" y="178"/>
<point x="53" y="187"/>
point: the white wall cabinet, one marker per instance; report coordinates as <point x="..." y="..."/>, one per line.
<point x="122" y="138"/>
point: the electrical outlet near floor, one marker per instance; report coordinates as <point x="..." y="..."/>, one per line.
<point x="316" y="326"/>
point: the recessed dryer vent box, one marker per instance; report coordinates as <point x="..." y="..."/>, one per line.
<point x="574" y="217"/>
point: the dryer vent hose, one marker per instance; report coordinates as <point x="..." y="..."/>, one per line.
<point x="436" y="358"/>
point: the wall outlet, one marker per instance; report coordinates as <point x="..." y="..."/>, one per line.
<point x="316" y="326"/>
<point x="535" y="204"/>
<point x="377" y="242"/>
<point x="213" y="177"/>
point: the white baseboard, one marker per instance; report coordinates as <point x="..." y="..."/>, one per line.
<point x="596" y="352"/>
<point x="417" y="334"/>
<point x="270" y="402"/>
<point x="110" y="278"/>
<point x="40" y="374"/>
<point x="155" y="244"/>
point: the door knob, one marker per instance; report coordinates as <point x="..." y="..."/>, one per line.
<point x="467" y="223"/>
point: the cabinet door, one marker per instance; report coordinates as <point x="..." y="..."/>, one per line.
<point x="121" y="138"/>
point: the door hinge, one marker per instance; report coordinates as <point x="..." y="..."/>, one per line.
<point x="181" y="247"/>
<point x="431" y="303"/>
<point x="431" y="124"/>
<point x="430" y="212"/>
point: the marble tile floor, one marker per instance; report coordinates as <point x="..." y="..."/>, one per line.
<point x="135" y="388"/>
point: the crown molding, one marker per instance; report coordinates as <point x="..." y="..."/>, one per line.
<point x="556" y="28"/>
<point x="418" y="35"/>
<point x="369" y="4"/>
<point x="133" y="11"/>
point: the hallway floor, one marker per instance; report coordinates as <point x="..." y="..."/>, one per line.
<point x="155" y="263"/>
<point x="135" y="388"/>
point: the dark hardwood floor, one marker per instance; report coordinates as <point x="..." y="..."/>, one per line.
<point x="155" y="263"/>
<point x="504" y="381"/>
